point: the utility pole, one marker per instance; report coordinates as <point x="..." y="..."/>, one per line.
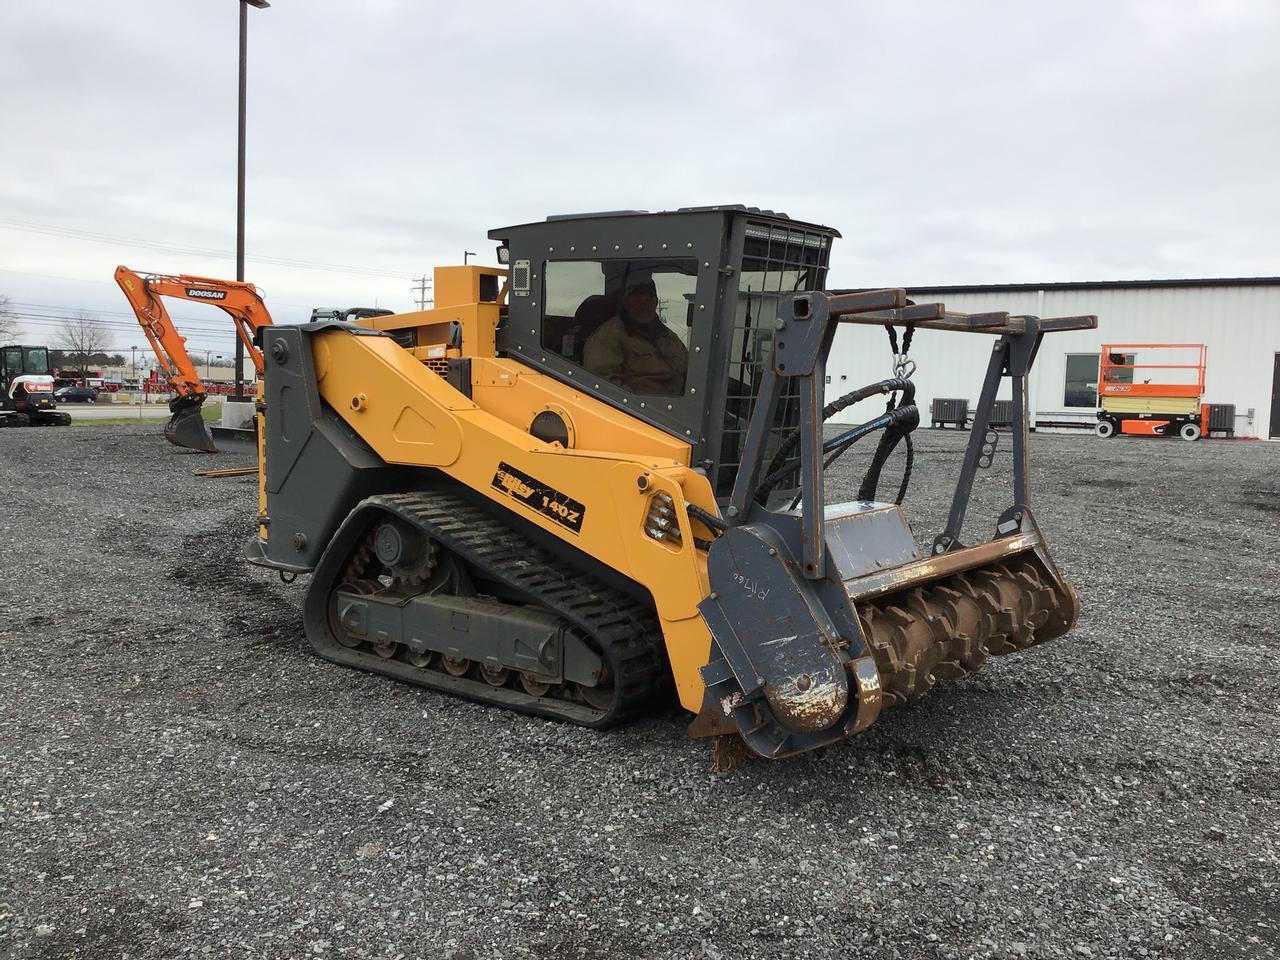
<point x="244" y="76"/>
<point x="422" y="288"/>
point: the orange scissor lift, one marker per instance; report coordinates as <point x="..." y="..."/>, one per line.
<point x="1142" y="408"/>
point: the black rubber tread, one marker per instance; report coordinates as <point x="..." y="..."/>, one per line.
<point x="41" y="418"/>
<point x="624" y="632"/>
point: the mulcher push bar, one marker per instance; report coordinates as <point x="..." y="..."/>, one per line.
<point x="804" y="330"/>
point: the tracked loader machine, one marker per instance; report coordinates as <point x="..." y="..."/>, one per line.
<point x="596" y="475"/>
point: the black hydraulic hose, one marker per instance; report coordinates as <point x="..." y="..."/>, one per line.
<point x="901" y="418"/>
<point x="888" y="442"/>
<point x="777" y="466"/>
<point x="891" y="418"/>
<point x="710" y="520"/>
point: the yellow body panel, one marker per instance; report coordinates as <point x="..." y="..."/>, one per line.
<point x="409" y="415"/>
<point x="515" y="393"/>
<point x="1183" y="406"/>
<point x="457" y="300"/>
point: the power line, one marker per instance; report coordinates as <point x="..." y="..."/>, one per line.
<point x="99" y="311"/>
<point x="71" y="233"/>
<point x="52" y="325"/>
<point x="57" y="319"/>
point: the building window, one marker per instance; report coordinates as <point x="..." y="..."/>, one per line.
<point x="1081" y="388"/>
<point x="1082" y="380"/>
<point x="626" y="320"/>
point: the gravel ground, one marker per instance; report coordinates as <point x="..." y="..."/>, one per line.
<point x="178" y="775"/>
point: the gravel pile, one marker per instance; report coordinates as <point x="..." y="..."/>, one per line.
<point x="179" y="776"/>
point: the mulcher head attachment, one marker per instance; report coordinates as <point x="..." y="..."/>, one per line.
<point x="798" y="662"/>
<point x="825" y="615"/>
<point x="186" y="426"/>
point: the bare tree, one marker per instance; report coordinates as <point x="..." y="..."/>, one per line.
<point x="81" y="337"/>
<point x="8" y="323"/>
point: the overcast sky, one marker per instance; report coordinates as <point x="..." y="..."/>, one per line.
<point x="950" y="142"/>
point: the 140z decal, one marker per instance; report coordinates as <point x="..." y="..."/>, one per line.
<point x="548" y="501"/>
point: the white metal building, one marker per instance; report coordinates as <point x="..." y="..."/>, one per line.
<point x="1238" y="320"/>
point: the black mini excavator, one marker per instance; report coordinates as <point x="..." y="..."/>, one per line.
<point x="595" y="474"/>
<point x="26" y="389"/>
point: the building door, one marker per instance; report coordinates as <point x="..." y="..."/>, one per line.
<point x="1275" y="401"/>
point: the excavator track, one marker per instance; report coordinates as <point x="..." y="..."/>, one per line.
<point x="42" y="419"/>
<point x="481" y="549"/>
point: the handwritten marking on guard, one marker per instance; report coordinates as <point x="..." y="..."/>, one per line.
<point x="749" y="585"/>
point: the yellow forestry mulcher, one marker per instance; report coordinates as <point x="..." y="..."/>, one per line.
<point x="596" y="474"/>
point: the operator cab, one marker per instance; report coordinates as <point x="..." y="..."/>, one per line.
<point x="16" y="361"/>
<point x="717" y="275"/>
<point x="26" y="387"/>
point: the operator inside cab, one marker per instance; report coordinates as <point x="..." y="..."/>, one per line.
<point x="635" y="349"/>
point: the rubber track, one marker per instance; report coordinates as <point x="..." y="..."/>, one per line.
<point x="621" y="629"/>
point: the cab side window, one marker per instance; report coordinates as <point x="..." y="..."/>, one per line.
<point x="627" y="321"/>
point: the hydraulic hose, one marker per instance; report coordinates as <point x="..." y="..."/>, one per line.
<point x="778" y="468"/>
<point x="899" y="419"/>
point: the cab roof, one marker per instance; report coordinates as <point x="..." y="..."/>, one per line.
<point x="500" y="233"/>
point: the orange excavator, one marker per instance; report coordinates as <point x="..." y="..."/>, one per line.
<point x="240" y="301"/>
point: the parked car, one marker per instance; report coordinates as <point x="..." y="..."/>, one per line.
<point x="75" y="395"/>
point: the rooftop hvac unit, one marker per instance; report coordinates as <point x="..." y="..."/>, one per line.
<point x="945" y="410"/>
<point x="1221" y="419"/>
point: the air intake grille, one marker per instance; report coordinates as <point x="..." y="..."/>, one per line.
<point x="520" y="278"/>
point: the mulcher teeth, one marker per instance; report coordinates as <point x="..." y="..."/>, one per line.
<point x="946" y="629"/>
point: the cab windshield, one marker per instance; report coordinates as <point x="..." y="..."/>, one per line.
<point x="36" y="360"/>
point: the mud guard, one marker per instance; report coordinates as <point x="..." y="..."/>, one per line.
<point x="781" y="668"/>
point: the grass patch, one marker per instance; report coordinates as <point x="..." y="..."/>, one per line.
<point x="210" y="412"/>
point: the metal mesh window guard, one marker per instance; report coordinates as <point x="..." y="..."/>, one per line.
<point x="777" y="262"/>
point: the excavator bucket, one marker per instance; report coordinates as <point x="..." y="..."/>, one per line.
<point x="186" y="426"/>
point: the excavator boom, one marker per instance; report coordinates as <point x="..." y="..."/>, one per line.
<point x="240" y="301"/>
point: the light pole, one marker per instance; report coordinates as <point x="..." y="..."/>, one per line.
<point x="244" y="38"/>
<point x="466" y="256"/>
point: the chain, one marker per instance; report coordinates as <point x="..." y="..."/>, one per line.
<point x="903" y="366"/>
